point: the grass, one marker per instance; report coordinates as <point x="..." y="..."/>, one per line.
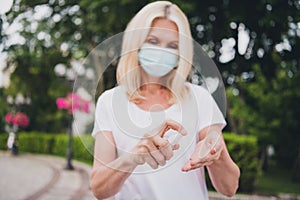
<point x="275" y="181"/>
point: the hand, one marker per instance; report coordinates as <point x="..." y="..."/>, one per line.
<point x="207" y="151"/>
<point x="153" y="149"/>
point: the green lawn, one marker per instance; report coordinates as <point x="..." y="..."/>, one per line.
<point x="277" y="181"/>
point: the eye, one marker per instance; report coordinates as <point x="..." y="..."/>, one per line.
<point x="152" y="41"/>
<point x="173" y="45"/>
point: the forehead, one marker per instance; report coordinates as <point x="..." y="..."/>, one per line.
<point x="164" y="27"/>
<point x="164" y="24"/>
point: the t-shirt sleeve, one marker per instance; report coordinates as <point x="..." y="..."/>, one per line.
<point x="102" y="117"/>
<point x="209" y="112"/>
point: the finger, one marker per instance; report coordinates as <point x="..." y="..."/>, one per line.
<point x="164" y="147"/>
<point x="141" y="150"/>
<point x="156" y="154"/>
<point x="177" y="127"/>
<point x="187" y="167"/>
<point x="170" y="124"/>
<point x="167" y="151"/>
<point x="150" y="161"/>
<point x="198" y="165"/>
<point x="196" y="159"/>
<point x="208" y="160"/>
<point x="159" y="142"/>
<point x="202" y="164"/>
<point x="196" y="162"/>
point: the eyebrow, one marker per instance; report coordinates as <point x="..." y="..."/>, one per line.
<point x="150" y="35"/>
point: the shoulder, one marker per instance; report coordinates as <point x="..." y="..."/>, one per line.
<point x="197" y="90"/>
<point x="108" y="95"/>
<point x="200" y="94"/>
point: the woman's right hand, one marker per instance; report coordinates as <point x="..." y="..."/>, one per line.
<point x="153" y="149"/>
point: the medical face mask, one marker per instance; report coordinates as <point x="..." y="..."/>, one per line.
<point x="157" y="61"/>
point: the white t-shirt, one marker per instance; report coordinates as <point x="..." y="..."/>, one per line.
<point x="128" y="123"/>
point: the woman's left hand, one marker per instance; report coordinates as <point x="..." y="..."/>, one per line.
<point x="207" y="151"/>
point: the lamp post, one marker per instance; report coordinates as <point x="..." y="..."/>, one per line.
<point x="62" y="71"/>
<point x="15" y="106"/>
<point x="70" y="74"/>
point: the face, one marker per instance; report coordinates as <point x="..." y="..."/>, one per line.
<point x="163" y="33"/>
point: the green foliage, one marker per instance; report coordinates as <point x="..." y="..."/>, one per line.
<point x="36" y="143"/>
<point x="244" y="151"/>
<point x="267" y="103"/>
<point x="3" y="141"/>
<point x="268" y="109"/>
<point x="54" y="144"/>
<point x="277" y="180"/>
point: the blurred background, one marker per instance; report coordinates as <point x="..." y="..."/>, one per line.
<point x="255" y="45"/>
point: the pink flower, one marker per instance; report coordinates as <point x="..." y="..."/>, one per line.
<point x="9" y="118"/>
<point x="76" y="106"/>
<point x="72" y="103"/>
<point x="62" y="103"/>
<point x="74" y="97"/>
<point x="19" y="119"/>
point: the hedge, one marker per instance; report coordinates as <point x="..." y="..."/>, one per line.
<point x="54" y="144"/>
<point x="243" y="150"/>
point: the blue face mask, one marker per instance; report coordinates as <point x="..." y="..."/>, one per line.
<point x="157" y="61"/>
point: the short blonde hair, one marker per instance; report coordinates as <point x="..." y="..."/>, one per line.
<point x="129" y="71"/>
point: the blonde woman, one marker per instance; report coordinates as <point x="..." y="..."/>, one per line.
<point x="154" y="132"/>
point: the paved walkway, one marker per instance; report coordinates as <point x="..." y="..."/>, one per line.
<point x="42" y="177"/>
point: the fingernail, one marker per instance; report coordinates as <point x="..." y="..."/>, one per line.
<point x="185" y="169"/>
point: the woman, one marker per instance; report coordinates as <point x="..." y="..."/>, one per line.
<point x="155" y="133"/>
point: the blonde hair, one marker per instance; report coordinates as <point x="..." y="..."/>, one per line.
<point x="129" y="71"/>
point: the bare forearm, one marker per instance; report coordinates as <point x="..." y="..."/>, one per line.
<point x="106" y="181"/>
<point x="224" y="174"/>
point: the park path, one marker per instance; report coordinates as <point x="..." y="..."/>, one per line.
<point x="43" y="177"/>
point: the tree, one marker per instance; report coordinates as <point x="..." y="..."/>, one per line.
<point x="261" y="40"/>
<point x="254" y="43"/>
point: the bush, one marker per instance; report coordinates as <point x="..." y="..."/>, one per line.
<point x="36" y="143"/>
<point x="243" y="150"/>
<point x="54" y="144"/>
<point x="3" y="141"/>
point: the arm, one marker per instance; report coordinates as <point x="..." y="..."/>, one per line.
<point x="223" y="172"/>
<point x="110" y="172"/>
